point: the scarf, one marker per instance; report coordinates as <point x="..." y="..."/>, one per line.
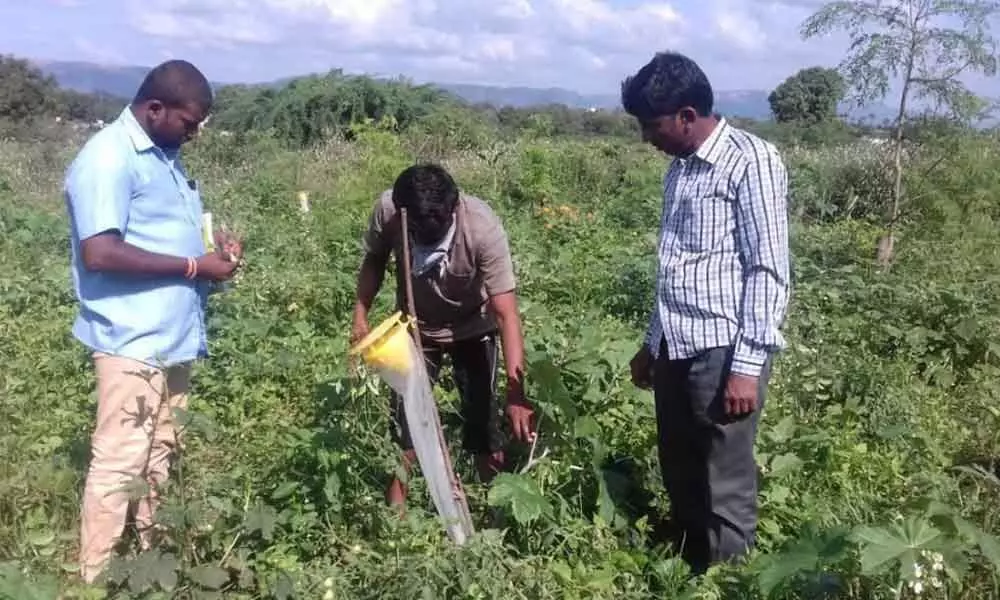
<point x="426" y="258"/>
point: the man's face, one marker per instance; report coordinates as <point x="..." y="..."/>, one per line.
<point x="171" y="127"/>
<point x="428" y="231"/>
<point x="669" y="134"/>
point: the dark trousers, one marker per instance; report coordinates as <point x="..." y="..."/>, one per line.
<point x="474" y="364"/>
<point x="706" y="458"/>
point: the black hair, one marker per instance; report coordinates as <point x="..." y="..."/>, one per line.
<point x="429" y="195"/>
<point x="666" y="84"/>
<point x="176" y="83"/>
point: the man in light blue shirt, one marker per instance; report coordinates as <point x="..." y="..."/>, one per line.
<point x="142" y="274"/>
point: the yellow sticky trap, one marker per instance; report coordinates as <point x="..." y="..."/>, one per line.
<point x="388" y="346"/>
<point x="207" y="232"/>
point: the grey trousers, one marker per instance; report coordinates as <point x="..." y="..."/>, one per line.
<point x="706" y="457"/>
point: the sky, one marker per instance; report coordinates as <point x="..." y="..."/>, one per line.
<point x="583" y="45"/>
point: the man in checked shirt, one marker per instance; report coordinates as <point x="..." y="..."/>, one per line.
<point x="721" y="293"/>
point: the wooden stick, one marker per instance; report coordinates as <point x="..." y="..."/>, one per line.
<point x="458" y="492"/>
<point x="411" y="307"/>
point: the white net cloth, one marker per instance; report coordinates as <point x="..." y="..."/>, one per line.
<point x="422" y="418"/>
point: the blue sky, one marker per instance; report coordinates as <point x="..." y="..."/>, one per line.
<point x="585" y="45"/>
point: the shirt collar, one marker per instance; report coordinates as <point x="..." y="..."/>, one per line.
<point x="140" y="139"/>
<point x="711" y="149"/>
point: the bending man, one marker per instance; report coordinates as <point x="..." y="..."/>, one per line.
<point x="464" y="293"/>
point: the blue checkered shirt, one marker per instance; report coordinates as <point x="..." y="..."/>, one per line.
<point x="722" y="277"/>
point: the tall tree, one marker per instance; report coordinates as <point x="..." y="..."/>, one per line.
<point x="25" y="92"/>
<point x="809" y="96"/>
<point x="924" y="46"/>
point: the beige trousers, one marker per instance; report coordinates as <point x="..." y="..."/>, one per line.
<point x="131" y="449"/>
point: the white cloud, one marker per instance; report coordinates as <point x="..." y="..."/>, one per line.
<point x="584" y="44"/>
<point x="740" y="30"/>
<point x="208" y="22"/>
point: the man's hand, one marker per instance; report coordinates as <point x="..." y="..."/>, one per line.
<point x="520" y="413"/>
<point x="214" y="267"/>
<point x="641" y="366"/>
<point x="229" y="245"/>
<point x="741" y="395"/>
<point x="359" y="329"/>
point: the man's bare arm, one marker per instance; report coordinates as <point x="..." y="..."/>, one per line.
<point x="108" y="253"/>
<point x="369" y="283"/>
<point x="504" y="306"/>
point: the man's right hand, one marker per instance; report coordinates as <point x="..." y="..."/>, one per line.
<point x="215" y="267"/>
<point x="641" y="366"/>
<point x="359" y="329"/>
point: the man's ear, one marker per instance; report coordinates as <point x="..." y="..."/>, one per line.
<point x="155" y="108"/>
<point x="688" y="115"/>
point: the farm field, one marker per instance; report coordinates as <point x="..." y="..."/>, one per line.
<point x="880" y="440"/>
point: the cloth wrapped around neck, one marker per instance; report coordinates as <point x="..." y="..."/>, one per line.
<point x="426" y="258"/>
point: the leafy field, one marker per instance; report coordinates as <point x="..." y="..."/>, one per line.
<point x="879" y="443"/>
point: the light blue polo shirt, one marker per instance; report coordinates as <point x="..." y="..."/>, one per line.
<point x="122" y="181"/>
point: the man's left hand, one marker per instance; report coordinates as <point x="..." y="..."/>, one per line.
<point x="521" y="415"/>
<point x="741" y="395"/>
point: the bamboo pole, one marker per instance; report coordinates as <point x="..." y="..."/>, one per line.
<point x="407" y="267"/>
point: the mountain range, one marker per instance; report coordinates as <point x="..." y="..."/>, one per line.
<point x="122" y="81"/>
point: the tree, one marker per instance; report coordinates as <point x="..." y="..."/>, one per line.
<point x="925" y="45"/>
<point x="25" y="93"/>
<point x="810" y="96"/>
<point x="307" y="109"/>
<point x="78" y="106"/>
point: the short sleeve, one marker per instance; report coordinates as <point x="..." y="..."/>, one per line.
<point x="495" y="264"/>
<point x="376" y="239"/>
<point x="99" y="191"/>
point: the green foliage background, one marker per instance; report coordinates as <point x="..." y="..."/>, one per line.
<point x="879" y="443"/>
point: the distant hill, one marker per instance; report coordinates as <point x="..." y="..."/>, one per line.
<point x="122" y="81"/>
<point x="750" y="104"/>
<point x="89" y="77"/>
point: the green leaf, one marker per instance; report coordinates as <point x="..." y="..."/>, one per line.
<point x="587" y="427"/>
<point x="878" y="548"/>
<point x="246" y="579"/>
<point x="284" y="588"/>
<point x="285" y="490"/>
<point x="331" y="489"/>
<point x="881" y="546"/>
<point x="990" y="547"/>
<point x="778" y="494"/>
<point x="786" y="463"/>
<point x="263" y="519"/>
<point x="967" y="328"/>
<point x="563" y="572"/>
<point x="784" y="430"/>
<point x="521" y="494"/>
<point x="551" y="389"/>
<point x="782" y="567"/>
<point x="166" y="572"/>
<point x="209" y="576"/>
<point x="41" y="538"/>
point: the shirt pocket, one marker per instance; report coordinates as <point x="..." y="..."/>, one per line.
<point x="192" y="189"/>
<point x="160" y="219"/>
<point x="707" y="224"/>
<point x="458" y="287"/>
